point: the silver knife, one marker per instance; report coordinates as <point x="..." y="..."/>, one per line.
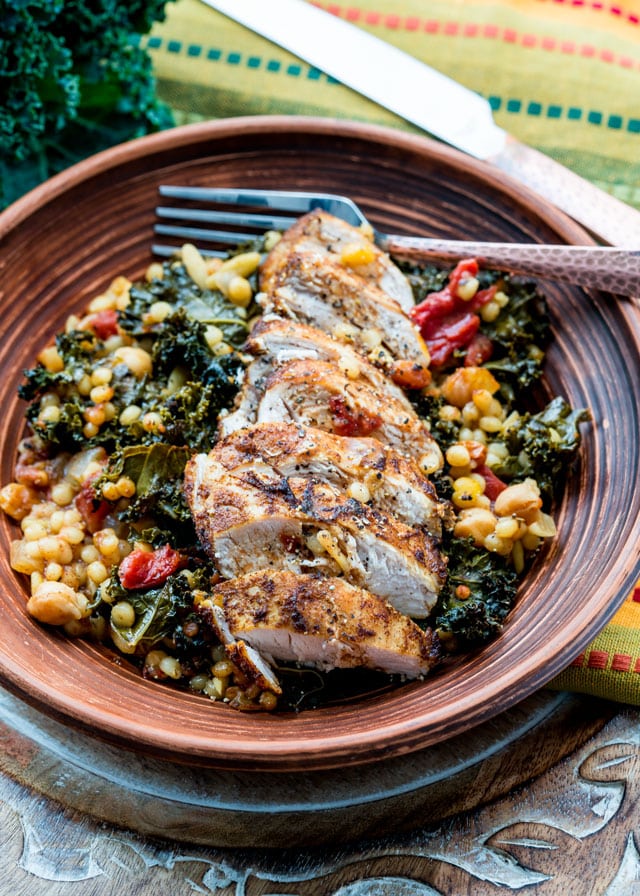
<point x="434" y="102"/>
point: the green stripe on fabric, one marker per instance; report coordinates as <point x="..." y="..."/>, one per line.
<point x="235" y="58"/>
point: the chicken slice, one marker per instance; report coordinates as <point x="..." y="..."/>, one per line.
<point x="318" y="394"/>
<point x="360" y="467"/>
<point x="274" y="341"/>
<point x="303" y="619"/>
<point x="250" y="518"/>
<point x="317" y="290"/>
<point x="245" y="657"/>
<point x="324" y="234"/>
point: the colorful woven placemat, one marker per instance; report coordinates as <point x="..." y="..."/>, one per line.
<point x="561" y="75"/>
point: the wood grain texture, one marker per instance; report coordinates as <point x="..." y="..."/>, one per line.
<point x="65" y="241"/>
<point x="572" y="830"/>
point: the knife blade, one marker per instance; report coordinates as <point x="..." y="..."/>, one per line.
<point x="432" y="101"/>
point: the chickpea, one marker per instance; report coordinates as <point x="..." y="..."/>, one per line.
<point x="55" y="603"/>
<point x="522" y="500"/>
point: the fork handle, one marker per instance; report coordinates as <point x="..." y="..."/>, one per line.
<point x="608" y="268"/>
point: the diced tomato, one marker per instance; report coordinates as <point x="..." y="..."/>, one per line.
<point x="92" y="508"/>
<point x="104" y="323"/>
<point x="349" y="423"/>
<point x="435" y="305"/>
<point x="483" y="296"/>
<point x="466" y="268"/>
<point x="448" y="323"/>
<point x="443" y="337"/>
<point x="493" y="485"/>
<point x="479" y="350"/>
<point x="142" y="569"/>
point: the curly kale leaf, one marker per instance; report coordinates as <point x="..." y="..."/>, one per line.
<point x="428" y="406"/>
<point x="157" y="471"/>
<point x="200" y="307"/>
<point x="191" y="413"/>
<point x="74" y="79"/>
<point x="523" y="322"/>
<point x="542" y="446"/>
<point x="492" y="585"/>
<point x="157" y="611"/>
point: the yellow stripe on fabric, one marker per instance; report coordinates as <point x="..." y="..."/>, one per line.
<point x="579" y="109"/>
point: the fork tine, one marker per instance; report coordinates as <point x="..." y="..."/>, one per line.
<point x="294" y="201"/>
<point x="200" y="233"/>
<point x="210" y="216"/>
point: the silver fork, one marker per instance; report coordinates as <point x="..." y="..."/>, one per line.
<point x="612" y="269"/>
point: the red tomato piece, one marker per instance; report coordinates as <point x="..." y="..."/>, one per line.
<point x="479" y="350"/>
<point x="409" y="375"/>
<point x="435" y="305"/>
<point x="349" y="423"/>
<point x="443" y="337"/>
<point x="483" y="296"/>
<point x="143" y="569"/>
<point x="92" y="508"/>
<point x="104" y="323"/>
<point x="466" y="268"/>
<point x="493" y="484"/>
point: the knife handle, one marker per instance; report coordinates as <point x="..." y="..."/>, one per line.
<point x="598" y="267"/>
<point x="607" y="218"/>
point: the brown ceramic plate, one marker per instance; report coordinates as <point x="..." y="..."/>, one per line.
<point x="63" y="243"/>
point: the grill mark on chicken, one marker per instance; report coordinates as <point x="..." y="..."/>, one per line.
<point x="324" y="234"/>
<point x="394" y="483"/>
<point x="300" y="618"/>
<point x="368" y="547"/>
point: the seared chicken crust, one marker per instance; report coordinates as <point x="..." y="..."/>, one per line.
<point x="250" y="517"/>
<point x="319" y="394"/>
<point x="315" y="290"/>
<point x="302" y="618"/>
<point x="361" y="466"/>
<point x="324" y="234"/>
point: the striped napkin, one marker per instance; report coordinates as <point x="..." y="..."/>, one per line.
<point x="561" y="75"/>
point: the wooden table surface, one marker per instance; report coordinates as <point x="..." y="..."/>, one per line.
<point x="572" y="829"/>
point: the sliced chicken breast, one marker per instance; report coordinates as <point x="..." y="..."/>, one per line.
<point x="275" y="341"/>
<point x="304" y="619"/>
<point x="318" y="394"/>
<point x="250" y="518"/>
<point x="245" y="657"/>
<point x="324" y="234"/>
<point x="361" y="468"/>
<point x="316" y="290"/>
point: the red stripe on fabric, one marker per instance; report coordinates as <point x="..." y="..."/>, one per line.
<point x="489" y="31"/>
<point x="598" y="659"/>
<point x="579" y="660"/>
<point x="621" y="662"/>
<point x="616" y="11"/>
<point x="636" y="594"/>
<point x="636" y="667"/>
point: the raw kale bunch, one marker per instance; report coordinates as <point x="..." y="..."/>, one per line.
<point x="73" y="80"/>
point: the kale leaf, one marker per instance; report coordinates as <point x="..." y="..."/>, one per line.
<point x="542" y="446"/>
<point x="74" y="79"/>
<point x="492" y="585"/>
<point x="157" y="471"/>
